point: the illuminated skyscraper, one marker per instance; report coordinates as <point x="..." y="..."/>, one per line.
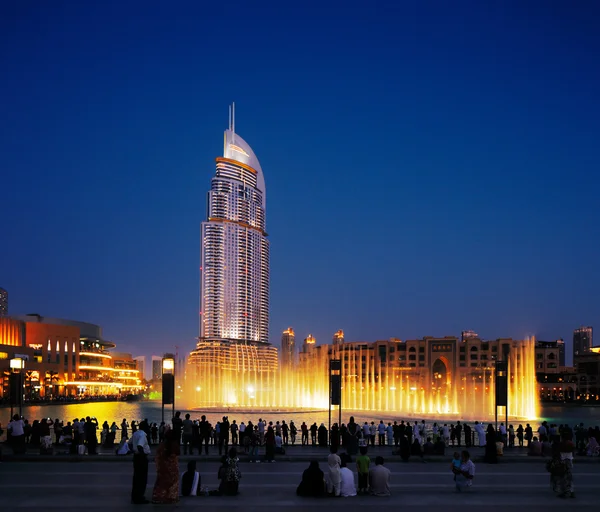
<point x="338" y="337"/>
<point x="582" y="340"/>
<point x="288" y="348"/>
<point x="235" y="250"/>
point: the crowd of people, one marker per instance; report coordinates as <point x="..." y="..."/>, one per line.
<point x="557" y="442"/>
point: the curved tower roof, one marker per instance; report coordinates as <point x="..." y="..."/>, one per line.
<point x="236" y="148"/>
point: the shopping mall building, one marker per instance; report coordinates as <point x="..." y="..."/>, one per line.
<point x="63" y="358"/>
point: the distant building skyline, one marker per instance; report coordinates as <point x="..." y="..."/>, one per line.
<point x="156" y="368"/>
<point x="287" y="354"/>
<point x="140" y="361"/>
<point x="582" y="340"/>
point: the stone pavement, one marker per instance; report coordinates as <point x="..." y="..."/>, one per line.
<point x="295" y="453"/>
<point x="94" y="486"/>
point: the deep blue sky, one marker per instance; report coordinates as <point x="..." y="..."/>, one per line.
<point x="430" y="166"/>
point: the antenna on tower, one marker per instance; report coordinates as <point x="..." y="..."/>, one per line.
<point x="230" y="117"/>
<point x="233" y="121"/>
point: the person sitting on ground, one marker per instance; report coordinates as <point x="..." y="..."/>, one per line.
<point x="546" y="447"/>
<point x="592" y="449"/>
<point x="535" y="447"/>
<point x="334" y="462"/>
<point x="313" y="481"/>
<point x="230" y="474"/>
<point x="428" y="448"/>
<point x="415" y="448"/>
<point x="190" y="481"/>
<point x="439" y="447"/>
<point x="347" y="478"/>
<point x="379" y="478"/>
<point x="123" y="448"/>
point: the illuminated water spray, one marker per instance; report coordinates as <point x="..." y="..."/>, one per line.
<point x="368" y="384"/>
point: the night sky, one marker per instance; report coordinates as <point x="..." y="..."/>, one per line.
<point x="430" y="166"/>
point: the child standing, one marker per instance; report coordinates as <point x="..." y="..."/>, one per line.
<point x="456" y="462"/>
<point x="362" y="466"/>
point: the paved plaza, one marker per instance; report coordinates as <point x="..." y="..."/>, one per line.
<point x="90" y="485"/>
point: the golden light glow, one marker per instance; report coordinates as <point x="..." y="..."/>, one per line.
<point x="94" y="367"/>
<point x="235" y="162"/>
<point x="368" y="384"/>
<point x="95" y="354"/>
<point x="97" y="383"/>
<point x="168" y="365"/>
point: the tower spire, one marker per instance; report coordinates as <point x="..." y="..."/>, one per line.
<point x="233" y="121"/>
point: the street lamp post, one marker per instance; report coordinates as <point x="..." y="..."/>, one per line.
<point x="168" y="383"/>
<point x="16" y="384"/>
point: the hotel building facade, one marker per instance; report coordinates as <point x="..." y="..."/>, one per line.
<point x="234" y="271"/>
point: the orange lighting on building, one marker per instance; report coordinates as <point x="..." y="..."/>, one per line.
<point x="11" y="332"/>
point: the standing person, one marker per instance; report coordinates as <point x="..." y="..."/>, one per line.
<point x="465" y="474"/>
<point x="166" y="487"/>
<point x="520" y="431"/>
<point x="379" y="478"/>
<point x="362" y="467"/>
<point x="565" y="482"/>
<point x="304" y="429"/>
<point x="261" y="431"/>
<point x="446" y="433"/>
<point x="234" y="433"/>
<point x="154" y="433"/>
<point x="481" y="437"/>
<point x="468" y="435"/>
<point x="124" y="429"/>
<point x="196" y="441"/>
<point x="322" y="433"/>
<point x="242" y="430"/>
<point x="334" y="462"/>
<point x="372" y="433"/>
<point x="224" y="435"/>
<point x="161" y="432"/>
<point x="528" y="434"/>
<point x="285" y="431"/>
<point x="293" y="432"/>
<point x="177" y="423"/>
<point x="458" y="430"/>
<point x="187" y="429"/>
<point x="491" y="451"/>
<point x="270" y="444"/>
<point x="511" y="436"/>
<point x="381" y="433"/>
<point x="335" y="436"/>
<point x="17" y="434"/>
<point x="313" y="433"/>
<point x="141" y="450"/>
<point x="252" y="437"/>
<point x="204" y="434"/>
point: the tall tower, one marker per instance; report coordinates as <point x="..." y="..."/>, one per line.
<point x="582" y="340"/>
<point x="234" y="288"/>
<point x="288" y="348"/>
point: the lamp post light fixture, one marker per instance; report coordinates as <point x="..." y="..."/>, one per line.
<point x="168" y="383"/>
<point x="17" y="364"/>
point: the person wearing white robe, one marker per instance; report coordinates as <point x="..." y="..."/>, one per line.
<point x="480" y="433"/>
